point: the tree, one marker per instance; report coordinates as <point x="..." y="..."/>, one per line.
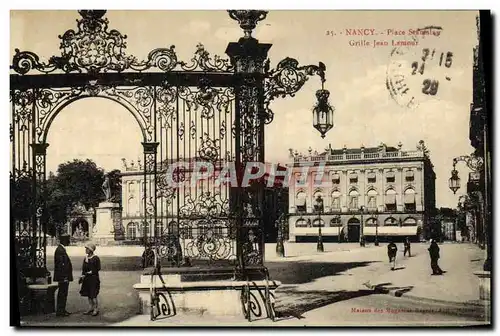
<point x="115" y="181"/>
<point x="75" y="182"/>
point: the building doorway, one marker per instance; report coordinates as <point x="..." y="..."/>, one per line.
<point x="353" y="230"/>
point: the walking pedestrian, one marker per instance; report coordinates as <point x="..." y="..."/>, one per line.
<point x="407" y="247"/>
<point x="63" y="274"/>
<point x="90" y="281"/>
<point x="434" y="254"/>
<point x="392" y="250"/>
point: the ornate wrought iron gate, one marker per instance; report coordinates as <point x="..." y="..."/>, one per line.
<point x="209" y="111"/>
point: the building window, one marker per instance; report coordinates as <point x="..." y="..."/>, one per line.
<point x="371" y="222"/>
<point x="390" y="200"/>
<point x="390" y="177"/>
<point x="335" y="201"/>
<point x="372" y="199"/>
<point x="301" y="223"/>
<point x="409" y="200"/>
<point x="159" y="229"/>
<point x="145" y="229"/>
<point x="409" y="222"/>
<point x="391" y="221"/>
<point x="318" y="201"/>
<point x="317" y="222"/>
<point x="409" y="176"/>
<point x="300" y="201"/>
<point x="336" y="179"/>
<point x="131" y="231"/>
<point x="353" y="178"/>
<point x="372" y="177"/>
<point x="353" y="200"/>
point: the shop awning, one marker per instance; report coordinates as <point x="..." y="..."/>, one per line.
<point x="390" y="199"/>
<point x="391" y="231"/>
<point x="301" y="201"/>
<point x="409" y="198"/>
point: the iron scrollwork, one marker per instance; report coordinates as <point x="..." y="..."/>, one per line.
<point x="94" y="48"/>
<point x="287" y="79"/>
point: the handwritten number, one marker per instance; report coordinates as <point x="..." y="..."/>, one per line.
<point x="430" y="87"/>
<point x="414" y="65"/>
<point x="425" y="54"/>
<point x="448" y="61"/>
<point x="441" y="59"/>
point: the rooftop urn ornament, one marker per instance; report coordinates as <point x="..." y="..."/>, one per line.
<point x="247" y="19"/>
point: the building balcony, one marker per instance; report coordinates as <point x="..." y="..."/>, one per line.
<point x="359" y="156"/>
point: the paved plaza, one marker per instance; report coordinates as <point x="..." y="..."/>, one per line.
<point x="318" y="288"/>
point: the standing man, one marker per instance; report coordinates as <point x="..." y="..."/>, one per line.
<point x="392" y="250"/>
<point x="407" y="247"/>
<point x="434" y="254"/>
<point x="63" y="274"/>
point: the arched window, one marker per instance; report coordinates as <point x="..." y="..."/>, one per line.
<point x="317" y="222"/>
<point x="300" y="201"/>
<point x="335" y="201"/>
<point x="409" y="199"/>
<point x="132" y="231"/>
<point x="335" y="178"/>
<point x="391" y="221"/>
<point x="372" y="199"/>
<point x="301" y="222"/>
<point x="353" y="200"/>
<point x="336" y="221"/>
<point x="371" y="221"/>
<point x="390" y="200"/>
<point x="410" y="221"/>
<point x="318" y="201"/>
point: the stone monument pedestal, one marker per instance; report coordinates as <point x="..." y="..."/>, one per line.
<point x="104" y="229"/>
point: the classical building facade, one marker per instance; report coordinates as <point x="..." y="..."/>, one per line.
<point x="384" y="192"/>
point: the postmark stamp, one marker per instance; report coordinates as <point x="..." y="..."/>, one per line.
<point x="414" y="74"/>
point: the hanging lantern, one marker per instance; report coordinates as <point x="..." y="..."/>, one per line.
<point x="454" y="181"/>
<point x="323" y="113"/>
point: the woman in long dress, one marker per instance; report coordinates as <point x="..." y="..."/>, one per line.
<point x="90" y="279"/>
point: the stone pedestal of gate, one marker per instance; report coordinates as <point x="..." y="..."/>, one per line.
<point x="182" y="291"/>
<point x="484" y="285"/>
<point x="103" y="231"/>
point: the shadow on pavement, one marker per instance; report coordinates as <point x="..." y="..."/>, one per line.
<point x="304" y="272"/>
<point x="296" y="303"/>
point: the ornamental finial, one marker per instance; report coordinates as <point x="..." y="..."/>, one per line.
<point x="247" y="19"/>
<point x="92" y="14"/>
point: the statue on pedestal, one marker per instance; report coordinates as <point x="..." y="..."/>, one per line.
<point x="106" y="188"/>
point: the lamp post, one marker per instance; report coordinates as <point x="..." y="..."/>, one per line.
<point x="361" y="228"/>
<point x="339" y="225"/>
<point x="376" y="227"/>
<point x="476" y="165"/>
<point x="318" y="207"/>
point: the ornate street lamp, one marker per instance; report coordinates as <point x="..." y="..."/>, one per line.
<point x="454" y="181"/>
<point x="318" y="207"/>
<point x="361" y="228"/>
<point x="323" y="111"/>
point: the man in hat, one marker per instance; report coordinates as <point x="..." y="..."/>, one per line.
<point x="63" y="274"/>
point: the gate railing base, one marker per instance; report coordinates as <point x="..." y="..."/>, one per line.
<point x="213" y="298"/>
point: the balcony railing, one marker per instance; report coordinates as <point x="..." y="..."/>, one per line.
<point x="359" y="156"/>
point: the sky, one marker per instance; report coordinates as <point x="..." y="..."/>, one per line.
<point x="365" y="112"/>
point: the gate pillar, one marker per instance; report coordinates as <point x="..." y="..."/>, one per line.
<point x="248" y="57"/>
